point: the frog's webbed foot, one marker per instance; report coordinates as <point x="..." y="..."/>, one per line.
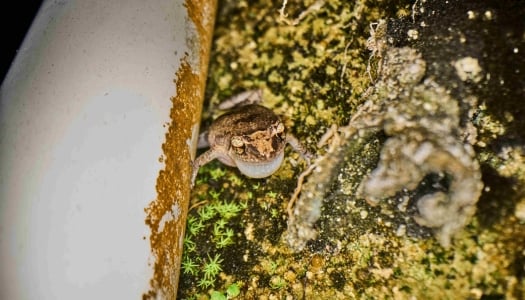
<point x="242" y="99"/>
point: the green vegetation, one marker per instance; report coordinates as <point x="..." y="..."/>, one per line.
<point x="189" y="266"/>
<point x="232" y="291"/>
<point x="209" y="224"/>
<point x="277" y="283"/>
<point x="213" y="266"/>
<point x="311" y="60"/>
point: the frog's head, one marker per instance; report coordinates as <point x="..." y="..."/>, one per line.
<point x="261" y="152"/>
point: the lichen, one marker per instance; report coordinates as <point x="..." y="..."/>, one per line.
<point x="423" y="122"/>
<point x="361" y="251"/>
<point x="425" y="137"/>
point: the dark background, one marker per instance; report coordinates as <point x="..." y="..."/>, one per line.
<point x="16" y="18"/>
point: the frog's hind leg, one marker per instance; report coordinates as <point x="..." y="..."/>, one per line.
<point x="242" y="99"/>
<point x="202" y="142"/>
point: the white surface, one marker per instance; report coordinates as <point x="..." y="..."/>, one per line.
<point x="81" y="127"/>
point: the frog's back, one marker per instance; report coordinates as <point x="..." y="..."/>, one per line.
<point x="243" y="120"/>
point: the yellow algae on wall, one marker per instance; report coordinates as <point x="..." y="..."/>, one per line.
<point x="166" y="215"/>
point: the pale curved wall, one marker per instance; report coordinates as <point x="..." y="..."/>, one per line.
<point x="81" y="127"/>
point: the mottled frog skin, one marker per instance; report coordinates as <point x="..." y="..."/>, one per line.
<point x="251" y="138"/>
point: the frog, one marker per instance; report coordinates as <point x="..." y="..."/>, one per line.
<point x="249" y="137"/>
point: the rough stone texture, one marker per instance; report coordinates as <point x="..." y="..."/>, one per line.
<point x="423" y="123"/>
<point x="315" y="66"/>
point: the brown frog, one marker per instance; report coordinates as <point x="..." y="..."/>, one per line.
<point x="250" y="137"/>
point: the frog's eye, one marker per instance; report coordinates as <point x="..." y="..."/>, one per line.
<point x="237" y="142"/>
<point x="279" y="128"/>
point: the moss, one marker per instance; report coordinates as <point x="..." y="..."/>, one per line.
<point x="315" y="74"/>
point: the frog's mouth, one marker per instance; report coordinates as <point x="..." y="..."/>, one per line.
<point x="260" y="169"/>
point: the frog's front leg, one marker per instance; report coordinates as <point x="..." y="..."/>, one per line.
<point x="206" y="157"/>
<point x="200" y="161"/>
<point x="298" y="147"/>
